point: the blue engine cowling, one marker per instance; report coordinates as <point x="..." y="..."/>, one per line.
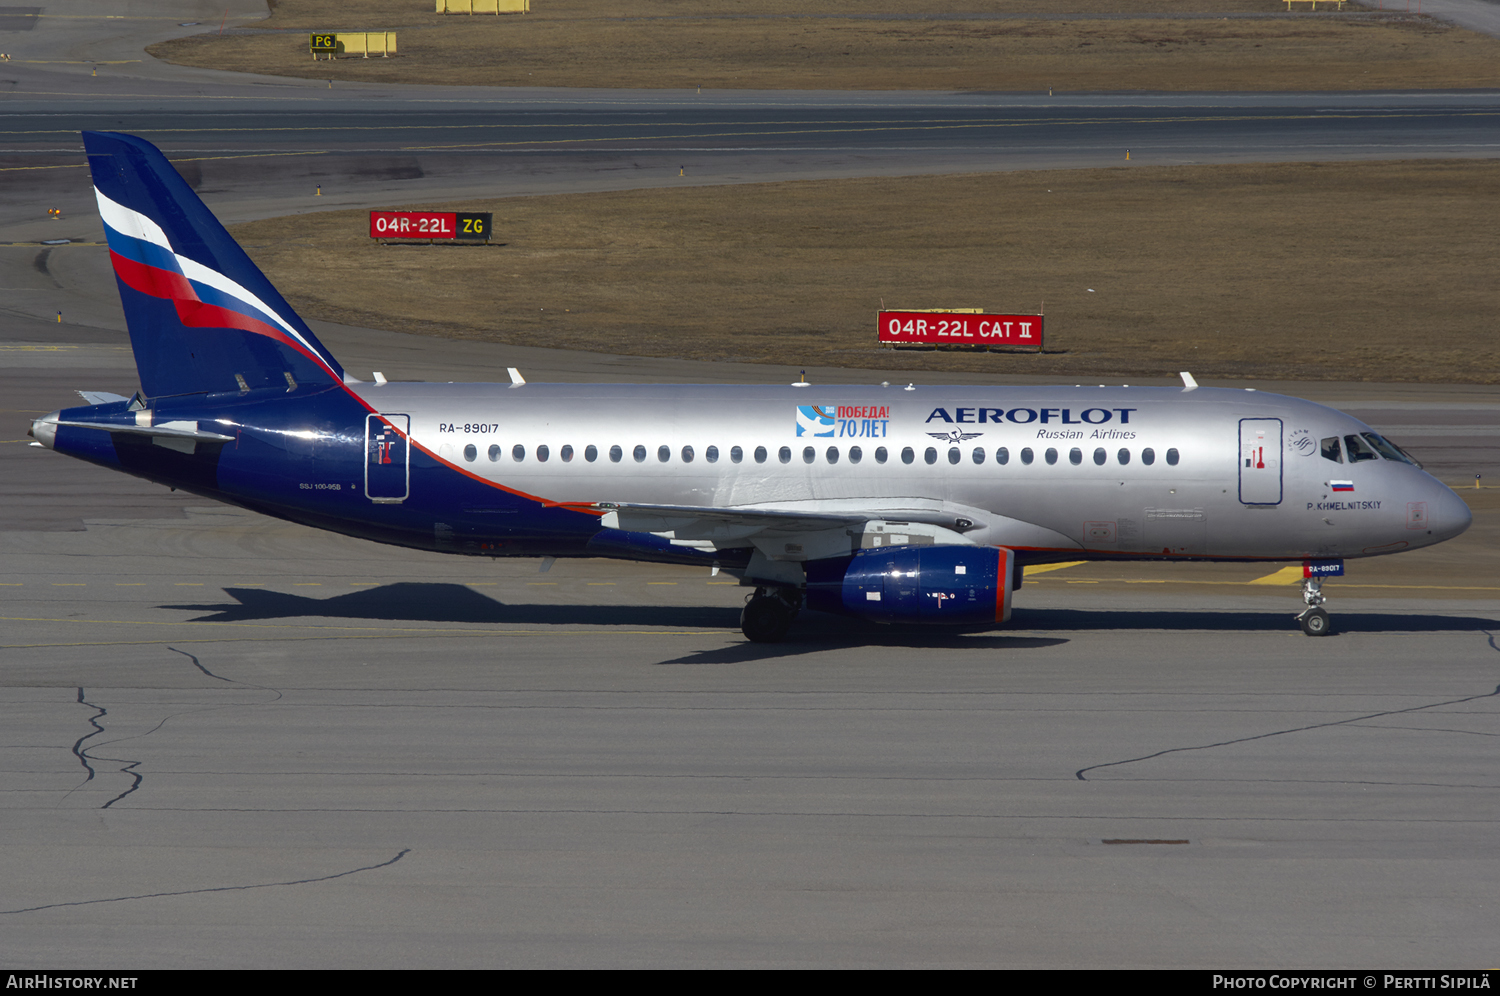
<point x="944" y="585"/>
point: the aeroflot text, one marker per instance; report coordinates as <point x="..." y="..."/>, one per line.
<point x="1025" y="416"/>
<point x="1478" y="980"/>
<point x="70" y="982"/>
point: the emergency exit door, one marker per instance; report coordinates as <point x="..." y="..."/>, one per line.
<point x="387" y="457"/>
<point x="1260" y="461"/>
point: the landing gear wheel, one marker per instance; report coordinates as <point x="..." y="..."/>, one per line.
<point x="766" y="617"/>
<point x="1315" y="622"/>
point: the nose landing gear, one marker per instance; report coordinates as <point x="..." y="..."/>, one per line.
<point x="768" y="614"/>
<point x="1314" y="618"/>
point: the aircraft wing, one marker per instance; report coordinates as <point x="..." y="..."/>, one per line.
<point x="829" y="527"/>
<point x="724" y="525"/>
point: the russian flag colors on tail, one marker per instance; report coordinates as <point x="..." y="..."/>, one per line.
<point x="202" y="317"/>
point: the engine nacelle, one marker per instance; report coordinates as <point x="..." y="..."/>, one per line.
<point x="943" y="585"/>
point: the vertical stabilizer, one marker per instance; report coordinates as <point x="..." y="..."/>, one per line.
<point x="202" y="317"/>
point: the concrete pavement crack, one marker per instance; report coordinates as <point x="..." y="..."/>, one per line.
<point x="219" y="888"/>
<point x="78" y="750"/>
<point x="1079" y="774"/>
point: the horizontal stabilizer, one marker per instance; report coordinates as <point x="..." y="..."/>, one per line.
<point x="101" y="397"/>
<point x="176" y="430"/>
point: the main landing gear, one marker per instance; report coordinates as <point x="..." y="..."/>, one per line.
<point x="769" y="613"/>
<point x="1314" y="618"/>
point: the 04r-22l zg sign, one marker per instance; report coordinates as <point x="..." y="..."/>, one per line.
<point x="443" y="225"/>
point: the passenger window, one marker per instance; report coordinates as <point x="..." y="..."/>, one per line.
<point x="663" y="453"/>
<point x="542" y="453"/>
<point x="1123" y="456"/>
<point x="687" y="454"/>
<point x="1075" y="456"/>
<point x="1002" y="456"/>
<point x="736" y="454"/>
<point x="1027" y="456"/>
<point x="930" y="454"/>
<point x="471" y="452"/>
<point x="711" y="454"/>
<point x="615" y="454"/>
<point x="760" y="454"/>
<point x="1100" y="456"/>
<point x="518" y="453"/>
<point x="1330" y="449"/>
<point x="880" y="454"/>
<point x="1172" y="457"/>
<point x="566" y="453"/>
<point x="809" y="454"/>
<point x="784" y="454"/>
<point x="907" y="454"/>
<point x="856" y="454"/>
<point x="954" y="455"/>
<point x="833" y="454"/>
<point x="494" y="452"/>
<point x="1051" y="456"/>
<point x="1148" y="456"/>
<point x="639" y="453"/>
<point x="979" y="454"/>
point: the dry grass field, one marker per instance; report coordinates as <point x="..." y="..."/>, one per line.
<point x="822" y="44"/>
<point x="1358" y="271"/>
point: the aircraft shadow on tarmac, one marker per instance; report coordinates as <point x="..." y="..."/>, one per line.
<point x="456" y="603"/>
<point x="1243" y="622"/>
<point x="815" y="631"/>
<point x="411" y="601"/>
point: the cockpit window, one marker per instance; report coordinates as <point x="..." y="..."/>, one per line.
<point x="1386" y="448"/>
<point x="1358" y="449"/>
<point x="1409" y="458"/>
<point x="1331" y="451"/>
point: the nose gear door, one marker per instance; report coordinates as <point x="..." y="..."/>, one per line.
<point x="1260" y="461"/>
<point x="387" y="457"/>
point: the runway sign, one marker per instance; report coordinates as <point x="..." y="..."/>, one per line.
<point x="959" y="328"/>
<point x="442" y="225"/>
<point x="365" y="43"/>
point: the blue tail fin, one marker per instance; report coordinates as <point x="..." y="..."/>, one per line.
<point x="202" y="317"/>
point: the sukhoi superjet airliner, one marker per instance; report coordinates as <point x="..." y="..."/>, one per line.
<point x="890" y="504"/>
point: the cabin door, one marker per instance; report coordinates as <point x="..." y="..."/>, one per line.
<point x="387" y="457"/>
<point x="1260" y="461"/>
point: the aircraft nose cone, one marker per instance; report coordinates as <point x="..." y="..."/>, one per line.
<point x="44" y="429"/>
<point x="1451" y="514"/>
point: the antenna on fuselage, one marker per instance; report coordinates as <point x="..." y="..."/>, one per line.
<point x="1188" y="383"/>
<point x="516" y="380"/>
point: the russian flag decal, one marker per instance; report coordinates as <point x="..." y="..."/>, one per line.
<point x="1341" y="485"/>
